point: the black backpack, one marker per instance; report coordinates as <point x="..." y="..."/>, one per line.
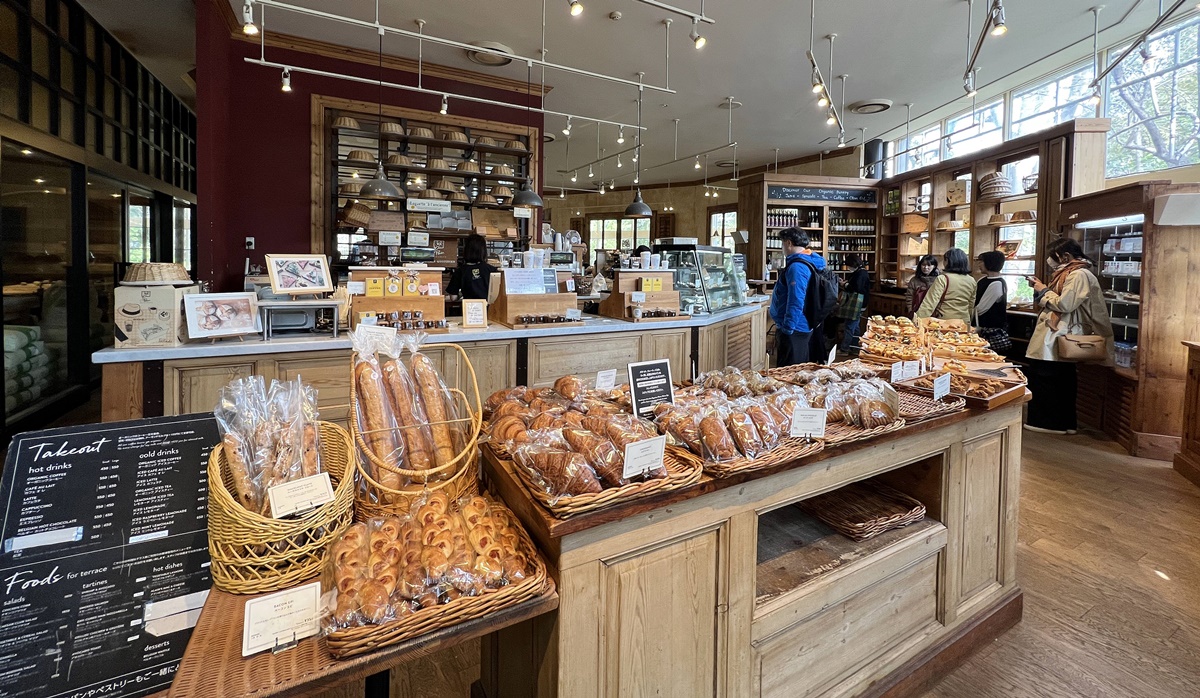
<point x="821" y="294"/>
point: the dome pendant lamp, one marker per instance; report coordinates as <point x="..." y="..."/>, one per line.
<point x="378" y="187"/>
<point x="638" y="208"/>
<point x="527" y="197"/>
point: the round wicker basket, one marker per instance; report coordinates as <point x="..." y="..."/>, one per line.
<point x="345" y="122"/>
<point x="486" y="200"/>
<point x="432" y="194"/>
<point x="360" y="156"/>
<point x="486" y="141"/>
<point x="420" y="132"/>
<point x="391" y="128"/>
<point x="467" y="166"/>
<point x="459" y="197"/>
<point x="516" y="145"/>
<point x="436" y="164"/>
<point x="401" y="160"/>
<point x="502" y="192"/>
<point x="157" y="272"/>
<point x="252" y="553"/>
<point x="502" y="171"/>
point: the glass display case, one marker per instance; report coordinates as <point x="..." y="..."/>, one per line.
<point x="1116" y="245"/>
<point x="706" y="277"/>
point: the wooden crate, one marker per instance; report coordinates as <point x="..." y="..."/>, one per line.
<point x="431" y="307"/>
<point x="507" y="308"/>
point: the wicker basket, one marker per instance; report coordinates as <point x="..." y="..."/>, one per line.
<point x="486" y="141"/>
<point x="443" y="184"/>
<point x="454" y="136"/>
<point x="502" y="171"/>
<point x="401" y="160"/>
<point x="345" y="122"/>
<point x="788" y="450"/>
<point x="360" y="156"/>
<point x="432" y="194"/>
<point x="252" y="553"/>
<point x="157" y="272"/>
<point x="516" y="145"/>
<point x="420" y="132"/>
<point x="915" y="408"/>
<point x="680" y="473"/>
<point x="456" y="478"/>
<point x="355" y="214"/>
<point x="350" y="642"/>
<point x="459" y="197"/>
<point x="862" y="510"/>
<point x="391" y="128"/>
<point x="486" y="200"/>
<point x="467" y="166"/>
<point x="502" y="192"/>
<point x="840" y="433"/>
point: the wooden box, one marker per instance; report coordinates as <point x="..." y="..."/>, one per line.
<point x="626" y="282"/>
<point x="509" y="307"/>
<point x="431" y="307"/>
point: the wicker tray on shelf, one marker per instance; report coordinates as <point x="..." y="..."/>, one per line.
<point x="915" y="408"/>
<point x="790" y="449"/>
<point x="680" y="473"/>
<point x="839" y="433"/>
<point x="350" y="642"/>
<point x="862" y="510"/>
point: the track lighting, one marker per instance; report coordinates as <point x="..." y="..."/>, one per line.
<point x="249" y="28"/>
<point x="445" y="107"/>
<point x="575" y="176"/>
<point x="567" y="129"/>
<point x="576" y="8"/>
<point x="637" y="179"/>
<point x="823" y="101"/>
<point x="635" y="156"/>
<point x="620" y="135"/>
<point x="816" y="81"/>
<point x="590" y="175"/>
<point x="707" y="193"/>
<point x="830" y="120"/>
<point x="287" y="80"/>
<point x="999" y="28"/>
<point x="1094" y="99"/>
<point x="715" y="192"/>
<point x="698" y="40"/>
<point x="562" y="193"/>
<point x="619" y="162"/>
<point x="697" y="166"/>
<point x="602" y="189"/>
<point x="969" y="84"/>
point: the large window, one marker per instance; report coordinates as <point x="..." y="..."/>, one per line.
<point x="1153" y="103"/>
<point x="625" y="234"/>
<point x="926" y="149"/>
<point x="1058" y="99"/>
<point x="975" y="130"/>
<point x="721" y="226"/>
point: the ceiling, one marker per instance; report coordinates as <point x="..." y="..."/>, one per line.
<point x="160" y="33"/>
<point x="906" y="52"/>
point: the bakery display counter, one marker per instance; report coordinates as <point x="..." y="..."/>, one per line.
<point x="740" y="586"/>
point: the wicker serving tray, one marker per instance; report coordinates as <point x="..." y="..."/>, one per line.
<point x="842" y="433"/>
<point x="680" y="473"/>
<point x="864" y="509"/>
<point x="915" y="408"/>
<point x="789" y="449"/>
<point x="350" y="642"/>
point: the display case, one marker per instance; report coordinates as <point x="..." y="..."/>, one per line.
<point x="705" y="277"/>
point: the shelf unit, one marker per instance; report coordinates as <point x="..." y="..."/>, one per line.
<point x="1152" y="308"/>
<point x="769" y="203"/>
<point x="1070" y="162"/>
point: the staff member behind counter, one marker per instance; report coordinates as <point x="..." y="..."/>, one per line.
<point x="470" y="279"/>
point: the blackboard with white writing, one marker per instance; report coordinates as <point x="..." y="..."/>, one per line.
<point x="104" y="566"/>
<point x="857" y="196"/>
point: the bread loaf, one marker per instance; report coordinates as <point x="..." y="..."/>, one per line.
<point x="410" y="416"/>
<point x="429" y="385"/>
<point x="378" y="433"/>
<point x="242" y="486"/>
<point x="718" y="444"/>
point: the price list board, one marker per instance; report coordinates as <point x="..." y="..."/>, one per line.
<point x="104" y="566"/>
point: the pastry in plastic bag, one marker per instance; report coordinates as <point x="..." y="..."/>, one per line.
<point x="716" y="439"/>
<point x="744" y="433"/>
<point x="563" y="473"/>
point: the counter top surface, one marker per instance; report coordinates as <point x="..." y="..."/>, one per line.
<point x="254" y="345"/>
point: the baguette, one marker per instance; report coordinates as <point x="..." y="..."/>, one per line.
<point x="409" y="416"/>
<point x="379" y="437"/>
<point x="432" y="393"/>
<point x="242" y="485"/>
<point x="311" y="458"/>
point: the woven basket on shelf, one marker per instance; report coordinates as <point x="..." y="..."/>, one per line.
<point x="502" y="171"/>
<point x="468" y="167"/>
<point x="502" y="192"/>
<point x="420" y="132"/>
<point x="360" y="156"/>
<point x="862" y="510"/>
<point x="355" y="214"/>
<point x="455" y="478"/>
<point x="401" y="160"/>
<point x="840" y="433"/>
<point x="350" y="642"/>
<point x="157" y="272"/>
<point x="516" y="145"/>
<point x="252" y="553"/>
<point x="391" y="128"/>
<point x="454" y="136"/>
<point x="789" y="449"/>
<point x="432" y="194"/>
<point x="345" y="122"/>
<point x="915" y="408"/>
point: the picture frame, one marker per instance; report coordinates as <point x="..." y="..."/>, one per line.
<point x="221" y="314"/>
<point x="299" y="274"/>
<point x="474" y="314"/>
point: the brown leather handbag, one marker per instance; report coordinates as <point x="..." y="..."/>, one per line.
<point x="1079" y="347"/>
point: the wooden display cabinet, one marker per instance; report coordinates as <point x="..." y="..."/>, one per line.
<point x="509" y="308"/>
<point x="619" y="304"/>
<point x="1187" y="461"/>
<point x="431" y="307"/>
<point x="1147" y="272"/>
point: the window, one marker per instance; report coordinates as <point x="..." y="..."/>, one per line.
<point x="1059" y="99"/>
<point x="721" y="226"/>
<point x="625" y="234"/>
<point x="183" y="234"/>
<point x="975" y="130"/>
<point x="1153" y="104"/>
<point x="138" y="241"/>
<point x="925" y="149"/>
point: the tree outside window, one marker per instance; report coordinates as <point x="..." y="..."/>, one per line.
<point x="721" y="226"/>
<point x="1057" y="100"/>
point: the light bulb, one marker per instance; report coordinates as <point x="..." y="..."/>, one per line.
<point x="445" y="107"/>
<point x="249" y="28"/>
<point x="620" y="135"/>
<point x="715" y="192"/>
<point x="707" y="193"/>
<point x="562" y="193"/>
<point x="567" y="129"/>
<point x="575" y="176"/>
<point x="823" y="101"/>
<point x="619" y="162"/>
<point x="576" y="8"/>
<point x="287" y="80"/>
<point x="1094" y="100"/>
<point x="636" y="178"/>
<point x="698" y="40"/>
<point x="831" y="119"/>
<point x="578" y="213"/>
<point x="602" y="189"/>
<point x="999" y="27"/>
<point x="697" y="163"/>
<point x="635" y="156"/>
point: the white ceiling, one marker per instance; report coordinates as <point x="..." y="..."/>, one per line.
<point x="912" y="51"/>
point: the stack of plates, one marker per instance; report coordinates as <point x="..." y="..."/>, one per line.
<point x="994" y="186"/>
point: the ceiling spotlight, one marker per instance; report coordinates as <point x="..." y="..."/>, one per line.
<point x="636" y="179"/>
<point x="562" y="193"/>
<point x="26" y="151"/>
<point x="115" y="196"/>
<point x="999" y="28"/>
<point x="578" y="212"/>
<point x="707" y="193"/>
<point x="969" y="84"/>
<point x="620" y="135"/>
<point x="287" y="80"/>
<point x="602" y="189"/>
<point x="830" y="120"/>
<point x="715" y="192"/>
<point x="816" y="81"/>
<point x="590" y="175"/>
<point x="697" y="165"/>
<point x="575" y="176"/>
<point x="39" y="180"/>
<point x="445" y="107"/>
<point x="576" y="8"/>
<point x="618" y="162"/>
<point x="698" y="40"/>
<point x="249" y="28"/>
<point x="1094" y="99"/>
<point x="635" y="156"/>
<point x="567" y="129"/>
<point x="842" y="139"/>
<point x="823" y="101"/>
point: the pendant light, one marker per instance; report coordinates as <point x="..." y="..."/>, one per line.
<point x="249" y="28"/>
<point x="378" y="187"/>
<point x="638" y="208"/>
<point x="526" y="197"/>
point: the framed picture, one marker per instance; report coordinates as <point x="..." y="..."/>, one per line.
<point x="221" y="314"/>
<point x="298" y="274"/>
<point x="474" y="314"/>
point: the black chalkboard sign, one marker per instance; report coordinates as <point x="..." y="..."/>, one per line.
<point x="856" y="196"/>
<point x="649" y="385"/>
<point x="104" y="566"/>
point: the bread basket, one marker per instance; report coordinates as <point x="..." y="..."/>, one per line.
<point x="399" y="160"/>
<point x="459" y="197"/>
<point x="420" y="132"/>
<point x="467" y="166"/>
<point x="355" y="214"/>
<point x="486" y="141"/>
<point x="502" y="192"/>
<point x="345" y="122"/>
<point x="432" y="194"/>
<point x="486" y="200"/>
<point x="443" y="184"/>
<point x="1000" y="219"/>
<point x="1024" y="216"/>
<point x="349" y="188"/>
<point x="516" y="145"/>
<point x="503" y="171"/>
<point x="391" y="128"/>
<point x="164" y="273"/>
<point x="454" y="136"/>
<point x="436" y="164"/>
<point x="252" y="553"/>
<point x="361" y="156"/>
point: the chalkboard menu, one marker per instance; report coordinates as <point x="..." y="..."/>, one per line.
<point x="856" y="196"/>
<point x="104" y="566"/>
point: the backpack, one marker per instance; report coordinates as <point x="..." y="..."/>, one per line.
<point x="821" y="297"/>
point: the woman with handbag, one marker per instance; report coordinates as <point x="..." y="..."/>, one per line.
<point x="952" y="295"/>
<point x="855" y="288"/>
<point x="991" y="303"/>
<point x="918" y="285"/>
<point x="1072" y="327"/>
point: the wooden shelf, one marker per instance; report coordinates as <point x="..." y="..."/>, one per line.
<point x="1011" y="197"/>
<point x="796" y="549"/>
<point x="432" y="142"/>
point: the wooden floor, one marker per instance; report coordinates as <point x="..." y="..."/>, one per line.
<point x="1109" y="559"/>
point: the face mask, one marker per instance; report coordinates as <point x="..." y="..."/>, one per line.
<point x="1052" y="263"/>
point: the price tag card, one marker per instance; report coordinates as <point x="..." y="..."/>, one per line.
<point x="389" y="237"/>
<point x="550" y="280"/>
<point x="941" y="386"/>
<point x="645" y="455"/>
<point x="897" y="371"/>
<point x="384" y="335"/>
<point x="832" y="356"/>
<point x="474" y="313"/>
<point x="570" y="284"/>
<point x="416" y="239"/>
<point x="300" y="495"/>
<point x="356" y="288"/>
<point x="524" y="282"/>
<point x="428" y="205"/>
<point x="606" y="380"/>
<point x="808" y="423"/>
<point x="637" y="297"/>
<point x="574" y="314"/>
<point x="912" y="369"/>
<point x="522" y="212"/>
<point x="281" y="619"/>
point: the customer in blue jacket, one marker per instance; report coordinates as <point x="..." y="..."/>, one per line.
<point x="792" y="333"/>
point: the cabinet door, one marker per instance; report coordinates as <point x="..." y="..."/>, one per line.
<point x="712" y="349"/>
<point x="553" y="357"/>
<point x="191" y="387"/>
<point x="495" y="365"/>
<point x="331" y="378"/>
<point x="670" y="344"/>
<point x="660" y="621"/>
<point x="758" y="340"/>
<point x="982" y="484"/>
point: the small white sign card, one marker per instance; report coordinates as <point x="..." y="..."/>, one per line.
<point x="643" y="456"/>
<point x="832" y="356"/>
<point x="574" y="314"/>
<point x="897" y="371"/>
<point x="416" y="239"/>
<point x="524" y="282"/>
<point x="522" y="212"/>
<point x="300" y="495"/>
<point x="281" y="619"/>
<point x="637" y="297"/>
<point x="912" y="369"/>
<point x="606" y="380"/>
<point x="391" y="237"/>
<point x="941" y="386"/>
<point x="808" y="423"/>
<point x="474" y="313"/>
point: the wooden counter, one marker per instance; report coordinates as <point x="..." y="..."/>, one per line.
<point x="726" y="589"/>
<point x="186" y="379"/>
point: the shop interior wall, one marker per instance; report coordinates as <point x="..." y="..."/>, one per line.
<point x="254" y="141"/>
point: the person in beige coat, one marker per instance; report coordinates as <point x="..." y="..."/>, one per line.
<point x="952" y="295"/>
<point x="1072" y="303"/>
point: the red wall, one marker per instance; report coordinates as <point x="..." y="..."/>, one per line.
<point x="253" y="161"/>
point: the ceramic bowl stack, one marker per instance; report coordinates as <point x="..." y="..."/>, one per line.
<point x="995" y="186"/>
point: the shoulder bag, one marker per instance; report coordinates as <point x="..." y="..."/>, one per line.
<point x="1078" y="347"/>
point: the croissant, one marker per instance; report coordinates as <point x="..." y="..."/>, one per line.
<point x="546" y="420"/>
<point x="509" y="428"/>
<point x="374" y="598"/>
<point x="513" y="409"/>
<point x="600" y="453"/>
<point x="346" y="611"/>
<point x="569" y="387"/>
<point x="573" y="419"/>
<point x="564" y="473"/>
